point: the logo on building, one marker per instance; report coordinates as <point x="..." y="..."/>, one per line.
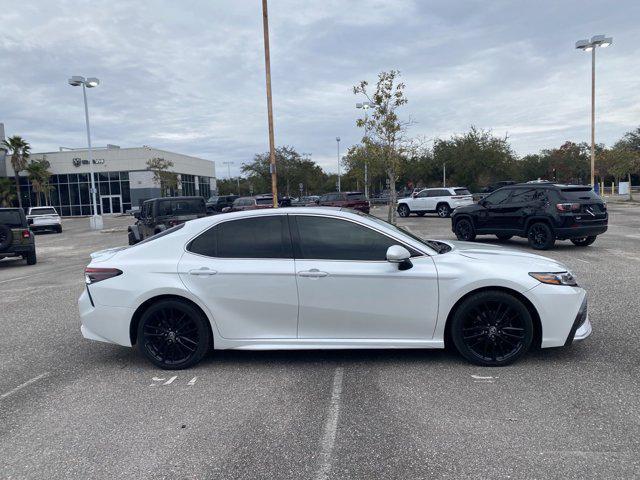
<point x="79" y="161"/>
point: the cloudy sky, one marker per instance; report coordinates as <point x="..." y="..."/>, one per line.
<point x="188" y="76"/>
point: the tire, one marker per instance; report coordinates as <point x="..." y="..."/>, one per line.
<point x="404" y="210"/>
<point x="421" y="214"/>
<point x="59" y="229"/>
<point x="584" y="241"/>
<point x="173" y="335"/>
<point x="464" y="230"/>
<point x="540" y="236"/>
<point x="492" y="328"/>
<point x="503" y="237"/>
<point x="31" y="257"/>
<point x="6" y="237"/>
<point x="132" y="238"/>
<point x="443" y="210"/>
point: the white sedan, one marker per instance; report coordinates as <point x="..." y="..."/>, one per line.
<point x="324" y="278"/>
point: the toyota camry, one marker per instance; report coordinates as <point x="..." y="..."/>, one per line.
<point x="324" y="278"/>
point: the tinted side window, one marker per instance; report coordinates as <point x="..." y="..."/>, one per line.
<point x="261" y="237"/>
<point x="423" y="193"/>
<point x="335" y="239"/>
<point x="523" y="195"/>
<point x="498" y="197"/>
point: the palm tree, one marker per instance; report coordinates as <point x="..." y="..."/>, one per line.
<point x="19" y="150"/>
<point x="6" y="192"/>
<point x="38" y="172"/>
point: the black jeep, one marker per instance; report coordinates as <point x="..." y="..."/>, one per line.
<point x="541" y="212"/>
<point x="16" y="239"/>
<point x="158" y="214"/>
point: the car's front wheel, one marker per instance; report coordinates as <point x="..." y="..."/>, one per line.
<point x="464" y="230"/>
<point x="540" y="236"/>
<point x="404" y="210"/>
<point x="173" y="334"/>
<point x="584" y="241"/>
<point x="492" y="328"/>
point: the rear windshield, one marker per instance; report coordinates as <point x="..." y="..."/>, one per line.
<point x="11" y="218"/>
<point x="43" y="211"/>
<point x="264" y="201"/>
<point x="579" y="193"/>
<point x="213" y="199"/>
<point x="181" y="207"/>
<point x="461" y="191"/>
<point x="355" y="196"/>
<point x="168" y="231"/>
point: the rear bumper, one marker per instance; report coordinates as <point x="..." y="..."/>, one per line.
<point x="17" y="250"/>
<point x="582" y="231"/>
<point x="104" y="324"/>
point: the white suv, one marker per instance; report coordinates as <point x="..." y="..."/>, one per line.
<point x="439" y="200"/>
<point x="44" y="218"/>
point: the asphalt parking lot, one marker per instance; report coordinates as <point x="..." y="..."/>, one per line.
<point x="71" y="408"/>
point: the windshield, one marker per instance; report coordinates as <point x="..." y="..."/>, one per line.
<point x="264" y="201"/>
<point x="10" y="218"/>
<point x="181" y="207"/>
<point x="43" y="211"/>
<point x="213" y="199"/>
<point x="355" y="196"/>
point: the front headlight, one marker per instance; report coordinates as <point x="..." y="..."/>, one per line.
<point x="555" y="278"/>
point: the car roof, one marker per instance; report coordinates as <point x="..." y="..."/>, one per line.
<point x="547" y="185"/>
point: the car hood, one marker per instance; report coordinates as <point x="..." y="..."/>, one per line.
<point x="507" y="256"/>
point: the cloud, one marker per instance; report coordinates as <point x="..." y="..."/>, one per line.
<point x="189" y="76"/>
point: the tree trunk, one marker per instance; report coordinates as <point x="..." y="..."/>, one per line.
<point x="630" y="194"/>
<point x="17" y="178"/>
<point x="391" y="214"/>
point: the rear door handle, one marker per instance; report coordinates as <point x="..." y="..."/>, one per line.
<point x="313" y="273"/>
<point x="204" y="271"/>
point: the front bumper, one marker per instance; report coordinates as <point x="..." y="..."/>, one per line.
<point x="581" y="327"/>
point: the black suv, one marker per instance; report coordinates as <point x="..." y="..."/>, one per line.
<point x="540" y="212"/>
<point x="16" y="239"/>
<point x="158" y="214"/>
<point x="216" y="203"/>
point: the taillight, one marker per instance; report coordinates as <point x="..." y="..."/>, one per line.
<point x="26" y="234"/>
<point x="568" y="207"/>
<point x="95" y="275"/>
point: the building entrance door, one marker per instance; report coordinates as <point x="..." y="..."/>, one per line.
<point x="111" y="204"/>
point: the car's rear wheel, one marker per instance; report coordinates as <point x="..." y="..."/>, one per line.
<point x="404" y="210"/>
<point x="173" y="335"/>
<point x="503" y="237"/>
<point x="132" y="238"/>
<point x="58" y="229"/>
<point x="492" y="328"/>
<point x="31" y="258"/>
<point x="540" y="236"/>
<point x="443" y="210"/>
<point x="464" y="230"/>
<point x="584" y="241"/>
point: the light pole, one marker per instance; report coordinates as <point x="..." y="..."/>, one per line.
<point x="590" y="46"/>
<point x="365" y="106"/>
<point x="228" y="164"/>
<point x="338" y="141"/>
<point x="95" y="221"/>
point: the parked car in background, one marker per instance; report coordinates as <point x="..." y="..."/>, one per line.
<point x="439" y="200"/>
<point x="541" y="212"/>
<point x="304" y="201"/>
<point x="16" y="239"/>
<point x="159" y="214"/>
<point x="354" y="200"/>
<point x="217" y="203"/>
<point x="44" y="218"/>
<point x="320" y="278"/>
<point x="250" y="203"/>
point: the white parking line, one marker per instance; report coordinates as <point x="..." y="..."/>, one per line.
<point x="25" y="384"/>
<point x="82" y="265"/>
<point x="580" y="260"/>
<point x="330" y="427"/>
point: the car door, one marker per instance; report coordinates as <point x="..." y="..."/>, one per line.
<point x="243" y="270"/>
<point x="491" y="217"/>
<point x="348" y="290"/>
<point x="517" y="208"/>
<point x="420" y="201"/>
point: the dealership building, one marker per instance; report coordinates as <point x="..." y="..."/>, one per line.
<point x="121" y="175"/>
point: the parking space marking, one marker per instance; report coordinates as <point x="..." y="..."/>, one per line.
<point x="330" y="427"/>
<point x="44" y="273"/>
<point x="584" y="261"/>
<point x="21" y="386"/>
<point x="192" y="382"/>
<point x="483" y="379"/>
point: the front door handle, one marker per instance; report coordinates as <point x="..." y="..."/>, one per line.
<point x="203" y="271"/>
<point x="313" y="273"/>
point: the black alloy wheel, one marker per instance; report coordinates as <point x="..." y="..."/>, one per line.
<point x="584" y="241"/>
<point x="464" y="230"/>
<point x="492" y="328"/>
<point x="173" y="335"/>
<point x="540" y="236"/>
<point x="404" y="210"/>
<point x="443" y="210"/>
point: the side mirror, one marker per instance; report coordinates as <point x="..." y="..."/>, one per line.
<point x="399" y="255"/>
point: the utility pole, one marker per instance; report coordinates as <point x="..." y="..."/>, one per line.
<point x="267" y="66"/>
<point x="444" y="174"/>
<point x="338" y="141"/>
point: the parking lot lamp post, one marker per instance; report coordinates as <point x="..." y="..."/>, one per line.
<point x="338" y="141"/>
<point x="590" y="46"/>
<point x="365" y="106"/>
<point x="95" y="221"/>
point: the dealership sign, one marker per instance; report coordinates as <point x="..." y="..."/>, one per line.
<point x="79" y="161"/>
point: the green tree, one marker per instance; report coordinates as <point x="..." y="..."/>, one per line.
<point x="168" y="181"/>
<point x="39" y="175"/>
<point x="7" y="193"/>
<point x="384" y="132"/>
<point x="19" y="150"/>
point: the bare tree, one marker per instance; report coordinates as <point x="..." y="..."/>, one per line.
<point x="161" y="175"/>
